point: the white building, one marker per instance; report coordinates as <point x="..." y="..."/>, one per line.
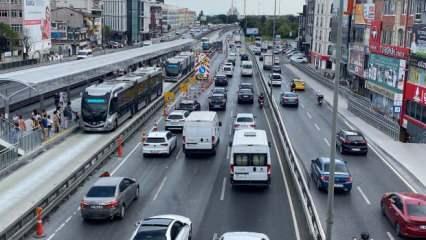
<point x="322" y="47"/>
<point x="115" y="14"/>
<point x="175" y="17"/>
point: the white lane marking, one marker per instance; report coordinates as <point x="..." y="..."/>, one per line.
<point x="309" y="115"/>
<point x="68" y="219"/>
<point x="178" y="154"/>
<point x="303" y="106"/>
<point x="293" y="215"/>
<point x="51" y="236"/>
<point x="228" y="151"/>
<point x="214" y="236"/>
<point x="159" y="189"/>
<point x="390" y="236"/>
<point x="363" y="195"/>
<point x="327" y="142"/>
<point x="222" y="193"/>
<point x="125" y="159"/>
<point x="317" y="127"/>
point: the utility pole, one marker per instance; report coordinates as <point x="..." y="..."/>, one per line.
<point x="330" y="205"/>
<point x="273" y="39"/>
<point x="245" y="18"/>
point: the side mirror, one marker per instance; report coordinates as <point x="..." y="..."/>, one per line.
<point x="220" y="124"/>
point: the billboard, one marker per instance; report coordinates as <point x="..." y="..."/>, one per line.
<point x="356" y="60"/>
<point x="375" y="35"/>
<point x="364" y="13"/>
<point x="387" y="72"/>
<point x="415" y="93"/>
<point x="37" y="25"/>
<point x="418" y="41"/>
<point x="252" y="31"/>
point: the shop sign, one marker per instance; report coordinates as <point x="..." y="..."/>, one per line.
<point x="379" y="89"/>
<point x="418" y="41"/>
<point x="364" y="13"/>
<point x="415" y="93"/>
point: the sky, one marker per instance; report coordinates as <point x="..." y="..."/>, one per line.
<point x="253" y="7"/>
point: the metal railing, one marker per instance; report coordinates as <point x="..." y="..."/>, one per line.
<point x="25" y="223"/>
<point x="296" y="167"/>
<point x="8" y="156"/>
<point x="362" y="109"/>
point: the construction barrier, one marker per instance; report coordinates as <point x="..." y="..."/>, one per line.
<point x="39" y="224"/>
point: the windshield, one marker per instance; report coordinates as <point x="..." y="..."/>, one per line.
<point x="250" y="159"/>
<point x="175" y="117"/>
<point x="101" y="192"/>
<point x="218" y="90"/>
<point x="355" y="138"/>
<point x="244" y="119"/>
<point x="94" y="108"/>
<point x="220" y="77"/>
<point x="186" y="105"/>
<point x="247" y="66"/>
<point x="155" y="140"/>
<point x="153" y="233"/>
<point x="227" y="69"/>
<point x="339" y="168"/>
<point x="416" y="210"/>
<point x="172" y="69"/>
<point x="276" y="77"/>
<point x="245" y="91"/>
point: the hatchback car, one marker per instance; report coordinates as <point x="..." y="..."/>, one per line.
<point x="275" y="79"/>
<point x="159" y="143"/>
<point x="243" y="236"/>
<point x="299" y="59"/>
<point x="320" y="174"/>
<point x="109" y="197"/>
<point x="217" y="101"/>
<point x="244" y="121"/>
<point x="245" y="96"/>
<point x="276" y="69"/>
<point x="164" y="227"/>
<point x="220" y="80"/>
<point x="189" y="105"/>
<point x="406" y="212"/>
<point x="349" y="141"/>
<point x="176" y="119"/>
<point x="289" y="99"/>
<point x="220" y="90"/>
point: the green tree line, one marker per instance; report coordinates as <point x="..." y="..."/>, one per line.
<point x="286" y="26"/>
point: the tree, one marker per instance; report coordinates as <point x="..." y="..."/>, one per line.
<point x="200" y="15"/>
<point x="107" y="33"/>
<point x="7" y="34"/>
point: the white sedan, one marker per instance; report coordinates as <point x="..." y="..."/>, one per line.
<point x="165" y="227"/>
<point x="159" y="143"/>
<point x="243" y="236"/>
<point x="244" y="121"/>
<point x="299" y="59"/>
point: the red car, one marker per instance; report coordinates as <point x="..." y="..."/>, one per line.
<point x="406" y="212"/>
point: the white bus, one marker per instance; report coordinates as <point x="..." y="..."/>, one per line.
<point x="250" y="159"/>
<point x="247" y="69"/>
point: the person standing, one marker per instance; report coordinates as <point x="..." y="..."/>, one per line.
<point x="49" y="126"/>
<point x="67" y="115"/>
<point x="22" y="125"/>
<point x="56" y="121"/>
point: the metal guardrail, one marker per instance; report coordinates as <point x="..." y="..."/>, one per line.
<point x="311" y="214"/>
<point x="358" y="105"/>
<point x="22" y="226"/>
<point x="8" y="156"/>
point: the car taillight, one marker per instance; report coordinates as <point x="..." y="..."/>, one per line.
<point x="236" y="125"/>
<point x="269" y="169"/>
<point x="324" y="178"/>
<point x="146" y="144"/>
<point x="349" y="179"/>
<point x="83" y="204"/>
<point x="231" y="168"/>
<point x="253" y="125"/>
<point x="112" y="204"/>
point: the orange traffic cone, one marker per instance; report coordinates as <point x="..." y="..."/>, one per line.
<point x="39" y="225"/>
<point x="120" y="146"/>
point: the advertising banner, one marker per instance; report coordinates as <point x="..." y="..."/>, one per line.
<point x="387" y="72"/>
<point x="417" y="76"/>
<point x="37" y="24"/>
<point x="356" y="60"/>
<point x="375" y="35"/>
<point x="415" y="93"/>
<point x="252" y="31"/>
<point x="364" y="13"/>
<point x="418" y="41"/>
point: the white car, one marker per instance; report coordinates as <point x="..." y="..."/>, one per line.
<point x="299" y="59"/>
<point x="275" y="79"/>
<point x="244" y="121"/>
<point x="243" y="236"/>
<point x="228" y="70"/>
<point x="176" y="119"/>
<point x="159" y="143"/>
<point x="165" y="227"/>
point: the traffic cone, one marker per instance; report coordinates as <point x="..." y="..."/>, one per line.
<point x="120" y="146"/>
<point x="39" y="224"/>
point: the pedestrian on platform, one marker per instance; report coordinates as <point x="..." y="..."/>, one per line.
<point x="22" y="125"/>
<point x="49" y="126"/>
<point x="56" y="121"/>
<point x="67" y="115"/>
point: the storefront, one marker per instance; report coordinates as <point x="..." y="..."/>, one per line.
<point x="356" y="67"/>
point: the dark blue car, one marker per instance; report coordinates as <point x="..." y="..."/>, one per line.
<point x="320" y="174"/>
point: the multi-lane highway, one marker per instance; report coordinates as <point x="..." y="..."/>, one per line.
<point x="309" y="128"/>
<point x="198" y="188"/>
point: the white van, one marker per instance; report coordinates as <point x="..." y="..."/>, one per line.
<point x="247" y="68"/>
<point x="84" y="53"/>
<point x="201" y="132"/>
<point x="250" y="159"/>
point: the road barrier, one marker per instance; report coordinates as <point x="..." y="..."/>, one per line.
<point x="25" y="223"/>
<point x="296" y="169"/>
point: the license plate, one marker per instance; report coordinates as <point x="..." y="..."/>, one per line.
<point x="338" y="185"/>
<point x="96" y="206"/>
<point x="356" y="149"/>
<point x="216" y="106"/>
<point x="423" y="227"/>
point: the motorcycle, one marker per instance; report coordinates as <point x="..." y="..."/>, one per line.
<point x="320" y="99"/>
<point x="261" y="102"/>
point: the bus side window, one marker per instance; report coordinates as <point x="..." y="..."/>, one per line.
<point x="113" y="107"/>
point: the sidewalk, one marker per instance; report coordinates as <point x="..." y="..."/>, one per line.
<point x="405" y="155"/>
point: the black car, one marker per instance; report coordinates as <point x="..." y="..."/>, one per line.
<point x="189" y="105"/>
<point x="276" y="69"/>
<point x="244" y="57"/>
<point x="245" y="96"/>
<point x="289" y="99"/>
<point x="245" y="85"/>
<point x="217" y="101"/>
<point x="349" y="141"/>
<point x="220" y="80"/>
<point x="220" y="90"/>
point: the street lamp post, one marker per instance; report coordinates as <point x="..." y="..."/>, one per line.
<point x="273" y="41"/>
<point x="330" y="207"/>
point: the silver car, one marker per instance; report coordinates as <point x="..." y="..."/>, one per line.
<point x="109" y="197"/>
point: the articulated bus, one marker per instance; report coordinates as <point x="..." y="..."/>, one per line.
<point x="107" y="105"/>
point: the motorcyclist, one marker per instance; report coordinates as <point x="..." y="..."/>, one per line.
<point x="293" y="86"/>
<point x="320" y="97"/>
<point x="365" y="236"/>
<point x="261" y="98"/>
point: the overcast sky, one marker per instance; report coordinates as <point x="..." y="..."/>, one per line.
<point x="253" y="6"/>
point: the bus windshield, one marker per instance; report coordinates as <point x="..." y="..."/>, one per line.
<point x="94" y="108"/>
<point x="172" y="69"/>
